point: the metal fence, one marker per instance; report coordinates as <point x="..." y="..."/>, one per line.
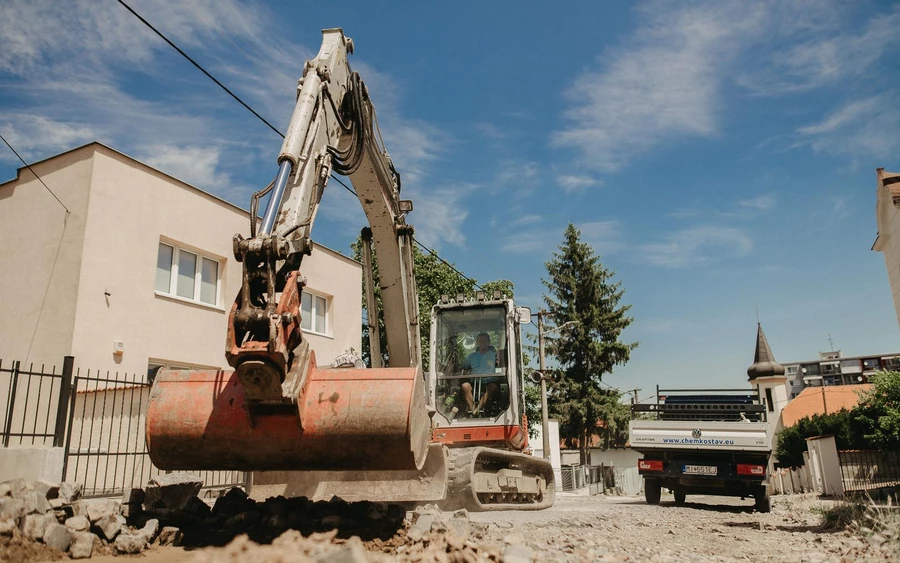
<point x="98" y="418"/>
<point x="34" y="404"/>
<point x="597" y="477"/>
<point x="869" y="470"/>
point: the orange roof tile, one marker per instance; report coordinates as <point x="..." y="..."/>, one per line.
<point x="811" y="401"/>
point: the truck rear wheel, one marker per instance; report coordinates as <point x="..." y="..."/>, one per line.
<point x="652" y="490"/>
<point x="763" y="502"/>
<point x="680" y="495"/>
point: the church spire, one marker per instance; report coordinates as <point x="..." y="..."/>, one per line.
<point x="764" y="364"/>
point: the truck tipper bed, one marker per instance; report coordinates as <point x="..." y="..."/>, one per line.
<point x="703" y="441"/>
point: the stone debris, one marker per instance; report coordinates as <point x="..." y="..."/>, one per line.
<point x="57" y="536"/>
<point x="171" y="490"/>
<point x="82" y="545"/>
<point x="78" y="523"/>
<point x="70" y="492"/>
<point x="170" y="535"/>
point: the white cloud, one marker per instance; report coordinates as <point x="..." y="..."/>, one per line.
<point x="763" y="202"/>
<point x="825" y="56"/>
<point x="663" y="82"/>
<point x="697" y="245"/>
<point x="863" y="128"/>
<point x="440" y="213"/>
<point x="197" y="166"/>
<point x="576" y="182"/>
<point x="603" y="236"/>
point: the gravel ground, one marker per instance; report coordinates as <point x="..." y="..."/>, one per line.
<point x="582" y="528"/>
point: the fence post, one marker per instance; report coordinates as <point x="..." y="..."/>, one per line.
<point x="65" y="389"/>
<point x="12" y="404"/>
<point x="68" y="442"/>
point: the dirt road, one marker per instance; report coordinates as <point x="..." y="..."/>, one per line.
<point x="602" y="528"/>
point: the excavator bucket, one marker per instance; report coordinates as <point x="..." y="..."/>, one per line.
<point x="343" y="419"/>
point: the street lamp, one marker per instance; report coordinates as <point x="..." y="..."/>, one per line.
<point x="541" y="377"/>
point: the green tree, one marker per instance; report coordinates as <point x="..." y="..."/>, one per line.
<point x="434" y="278"/>
<point x="582" y="292"/>
<point x="877" y="417"/>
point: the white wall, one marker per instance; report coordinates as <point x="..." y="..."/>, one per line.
<point x="40" y="258"/>
<point x="120" y="209"/>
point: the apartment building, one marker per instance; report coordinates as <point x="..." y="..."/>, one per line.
<point x="832" y="368"/>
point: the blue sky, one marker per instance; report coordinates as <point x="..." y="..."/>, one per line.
<point x="719" y="156"/>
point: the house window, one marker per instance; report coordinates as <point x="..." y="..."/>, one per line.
<point x="769" y="403"/>
<point x="187" y="274"/>
<point x="793" y="370"/>
<point x="314" y="313"/>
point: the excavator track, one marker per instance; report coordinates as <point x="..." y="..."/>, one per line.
<point x="482" y="479"/>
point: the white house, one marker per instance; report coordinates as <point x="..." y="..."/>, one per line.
<point x="140" y="272"/>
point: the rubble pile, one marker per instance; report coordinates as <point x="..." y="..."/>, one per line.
<point x="55" y="515"/>
<point x="52" y="520"/>
<point x="429" y="535"/>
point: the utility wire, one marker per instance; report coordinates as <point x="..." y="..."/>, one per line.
<point x="33" y="172"/>
<point x="272" y="127"/>
<point x="200" y="68"/>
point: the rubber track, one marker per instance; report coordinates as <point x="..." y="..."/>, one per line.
<point x="460" y="492"/>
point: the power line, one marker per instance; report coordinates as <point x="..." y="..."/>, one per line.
<point x="200" y="68"/>
<point x="272" y="127"/>
<point x="33" y="172"/>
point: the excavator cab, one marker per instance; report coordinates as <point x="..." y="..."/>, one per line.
<point x="476" y="360"/>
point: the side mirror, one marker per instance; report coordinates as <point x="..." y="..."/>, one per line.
<point x="523" y="315"/>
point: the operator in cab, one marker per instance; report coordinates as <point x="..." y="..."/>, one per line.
<point x="482" y="361"/>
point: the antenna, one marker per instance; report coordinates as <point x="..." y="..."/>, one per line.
<point x="757" y="314"/>
<point x="831" y="342"/>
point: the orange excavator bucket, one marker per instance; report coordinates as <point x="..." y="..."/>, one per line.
<point x="343" y="419"/>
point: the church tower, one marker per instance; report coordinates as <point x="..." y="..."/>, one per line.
<point x="767" y="376"/>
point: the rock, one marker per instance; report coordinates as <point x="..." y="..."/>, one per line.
<point x="56" y="503"/>
<point x="82" y="545"/>
<point x="49" y="490"/>
<point x="69" y="492"/>
<point x="16" y="487"/>
<point x="77" y="508"/>
<point x="58" y="537"/>
<point x="421" y="525"/>
<point x="231" y="503"/>
<point x="517" y="553"/>
<point x="170" y="535"/>
<point x="78" y="523"/>
<point x="99" y="510"/>
<point x="513" y="539"/>
<point x="150" y="529"/>
<point x="35" y="503"/>
<point x="5" y="490"/>
<point x="109" y="527"/>
<point x="131" y="511"/>
<point x="196" y="507"/>
<point x="6" y="527"/>
<point x="133" y="496"/>
<point x="34" y="525"/>
<point x="171" y="490"/>
<point x="12" y="508"/>
<point x="130" y="543"/>
<point x="351" y="553"/>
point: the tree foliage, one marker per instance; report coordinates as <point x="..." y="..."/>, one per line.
<point x="434" y="278"/>
<point x="582" y="292"/>
<point x="873" y="424"/>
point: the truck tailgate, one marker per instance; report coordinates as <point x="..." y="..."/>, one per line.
<point x="699" y="435"/>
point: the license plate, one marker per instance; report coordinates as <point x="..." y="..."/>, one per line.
<point x="700" y="470"/>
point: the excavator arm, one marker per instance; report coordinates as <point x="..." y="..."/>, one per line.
<point x="278" y="410"/>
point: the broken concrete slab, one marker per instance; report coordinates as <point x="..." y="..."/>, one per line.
<point x="69" y="492"/>
<point x="171" y="490"/>
<point x="34" y="525"/>
<point x="170" y="535"/>
<point x="149" y="531"/>
<point x="102" y="509"/>
<point x="58" y="537"/>
<point x="78" y="523"/>
<point x="82" y="545"/>
<point x="48" y="489"/>
<point x="109" y="527"/>
<point x="12" y="508"/>
<point x="35" y="503"/>
<point x="130" y="543"/>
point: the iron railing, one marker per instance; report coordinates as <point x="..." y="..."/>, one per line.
<point x="34" y="408"/>
<point x="99" y="419"/>
<point x="868" y="470"/>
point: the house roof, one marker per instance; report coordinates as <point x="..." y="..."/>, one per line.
<point x="814" y="400"/>
<point x="106" y="147"/>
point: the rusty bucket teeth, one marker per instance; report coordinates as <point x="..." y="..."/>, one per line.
<point x="345" y="419"/>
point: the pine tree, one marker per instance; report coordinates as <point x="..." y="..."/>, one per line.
<point x="582" y="294"/>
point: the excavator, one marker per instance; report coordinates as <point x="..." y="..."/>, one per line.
<point x="454" y="437"/>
